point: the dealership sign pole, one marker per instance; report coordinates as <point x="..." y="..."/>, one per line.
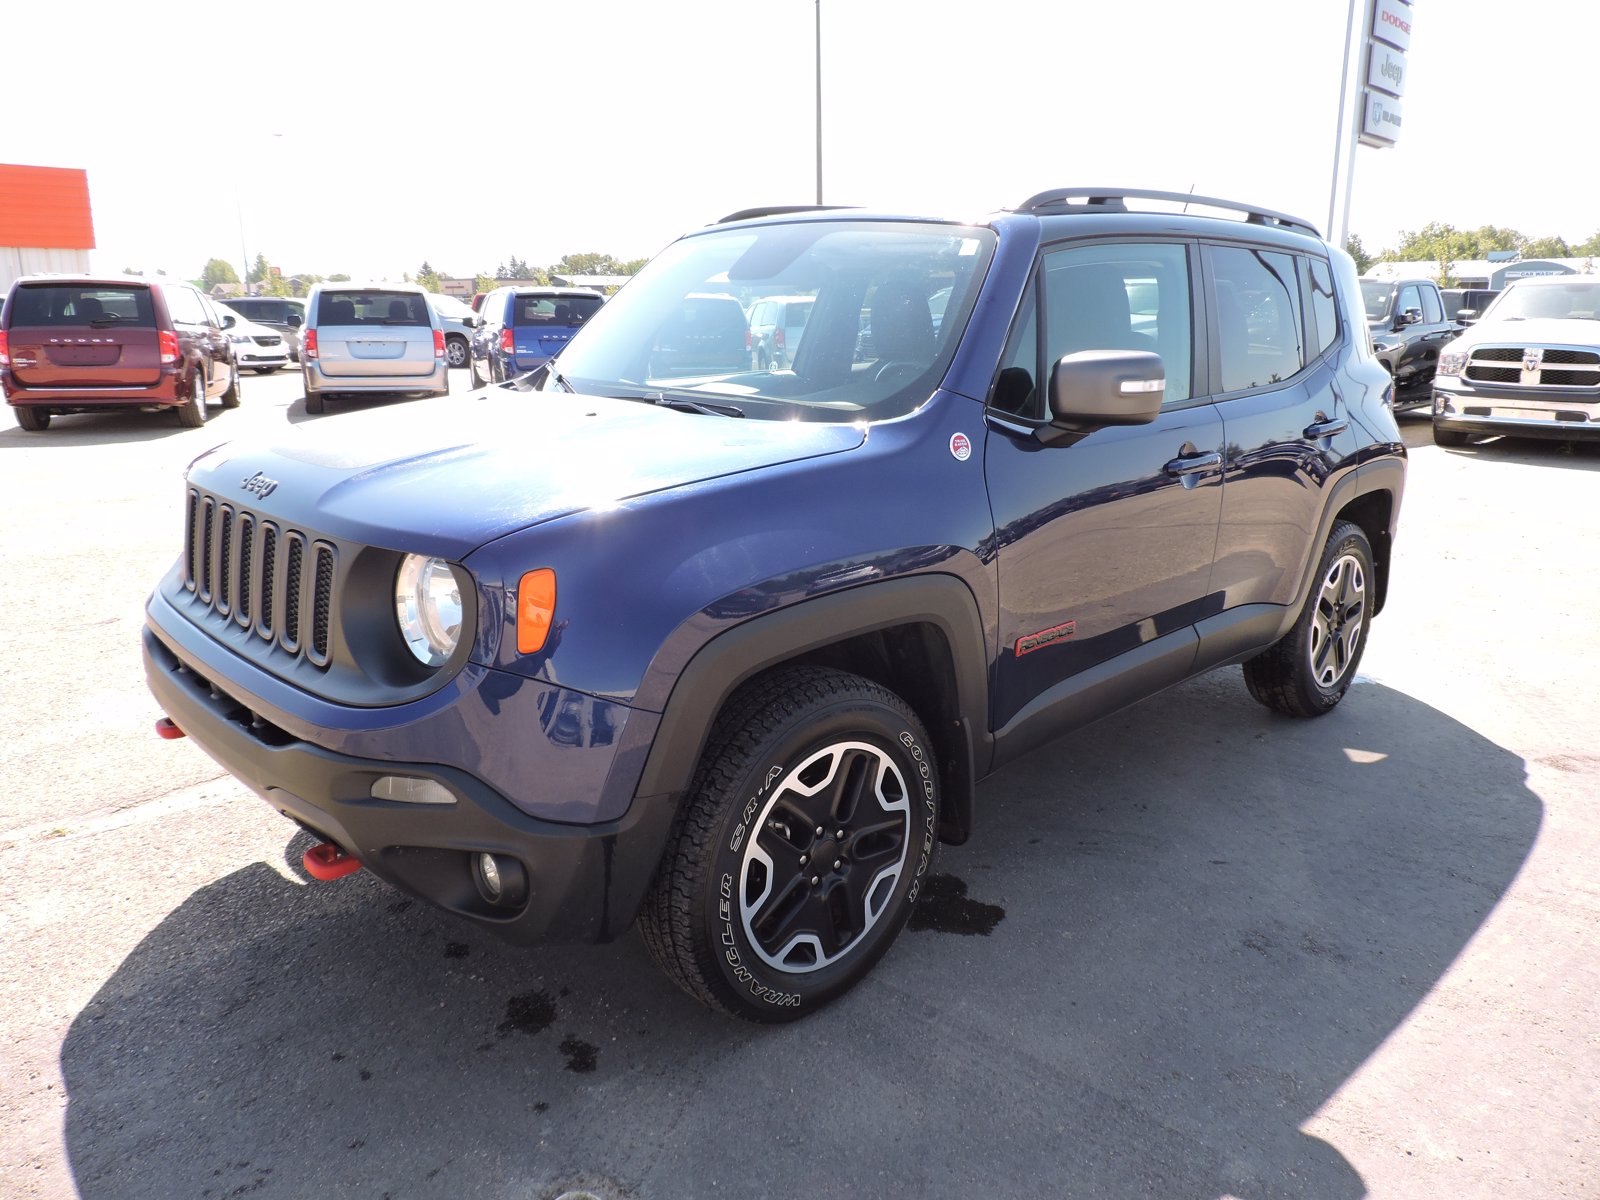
<point x="1376" y="70"/>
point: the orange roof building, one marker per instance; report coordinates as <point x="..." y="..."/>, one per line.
<point x="45" y="220"/>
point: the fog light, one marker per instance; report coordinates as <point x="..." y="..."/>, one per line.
<point x="409" y="790"/>
<point x="501" y="881"/>
<point x="489" y="877"/>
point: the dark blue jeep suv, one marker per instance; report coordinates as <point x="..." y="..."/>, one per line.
<point x="723" y="648"/>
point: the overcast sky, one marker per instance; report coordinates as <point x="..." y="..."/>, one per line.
<point x="354" y="138"/>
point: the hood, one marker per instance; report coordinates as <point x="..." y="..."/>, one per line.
<point x="445" y="477"/>
<point x="1533" y="331"/>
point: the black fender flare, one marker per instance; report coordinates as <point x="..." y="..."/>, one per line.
<point x="944" y="602"/>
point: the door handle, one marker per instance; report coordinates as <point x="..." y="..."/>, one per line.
<point x="1194" y="464"/>
<point x="1326" y="428"/>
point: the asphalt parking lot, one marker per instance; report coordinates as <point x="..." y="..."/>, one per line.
<point x="1197" y="950"/>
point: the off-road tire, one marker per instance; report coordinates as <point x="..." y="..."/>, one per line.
<point x="32" y="418"/>
<point x="793" y="752"/>
<point x="1307" y="672"/>
<point x="192" y="412"/>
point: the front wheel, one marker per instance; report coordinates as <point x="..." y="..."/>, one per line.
<point x="192" y="412"/>
<point x="313" y="402"/>
<point x="800" y="850"/>
<point x="1310" y="669"/>
<point x="456" y="352"/>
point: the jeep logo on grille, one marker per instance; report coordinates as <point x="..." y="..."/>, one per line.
<point x="260" y="485"/>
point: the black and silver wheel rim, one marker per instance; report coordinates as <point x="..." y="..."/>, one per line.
<point x="825" y="857"/>
<point x="456" y="354"/>
<point x="1339" y="620"/>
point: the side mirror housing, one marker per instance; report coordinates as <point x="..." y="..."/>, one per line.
<point x="1092" y="389"/>
<point x="228" y="322"/>
<point x="294" y="320"/>
<point x="1410" y="316"/>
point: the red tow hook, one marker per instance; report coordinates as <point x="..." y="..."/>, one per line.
<point x="327" y="862"/>
<point x="168" y="728"/>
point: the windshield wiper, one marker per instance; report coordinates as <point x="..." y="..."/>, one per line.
<point x="551" y="375"/>
<point x="681" y="404"/>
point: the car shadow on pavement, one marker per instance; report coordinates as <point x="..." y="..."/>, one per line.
<point x="1534" y="452"/>
<point x="103" y="429"/>
<point x="1199" y="920"/>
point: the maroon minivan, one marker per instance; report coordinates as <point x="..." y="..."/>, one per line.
<point x="76" y="343"/>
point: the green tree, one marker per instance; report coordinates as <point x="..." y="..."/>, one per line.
<point x="217" y="270"/>
<point x="1547" y="247"/>
<point x="131" y="271"/>
<point x="259" y="270"/>
<point x="428" y="277"/>
<point x="486" y="283"/>
<point x="338" y="279"/>
<point x="1353" y="246"/>
<point x="1588" y="248"/>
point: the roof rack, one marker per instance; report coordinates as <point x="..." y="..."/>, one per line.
<point x="1114" y="200"/>
<point x="779" y="210"/>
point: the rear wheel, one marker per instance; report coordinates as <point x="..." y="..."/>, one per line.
<point x="798" y="855"/>
<point x="231" y="398"/>
<point x="313" y="402"/>
<point x="32" y="418"/>
<point x="1309" y="670"/>
<point x="192" y="412"/>
<point x="456" y="352"/>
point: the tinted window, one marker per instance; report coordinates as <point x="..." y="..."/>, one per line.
<point x="1431" y="312"/>
<point x="264" y="308"/>
<point x="557" y="312"/>
<point x="1407" y="300"/>
<point x="80" y="305"/>
<point x="372" y="308"/>
<point x="1121" y="296"/>
<point x="1256" y="297"/>
<point x="1324" y="311"/>
<point x="1375" y="295"/>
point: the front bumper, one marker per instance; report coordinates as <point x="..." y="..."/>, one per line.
<point x="585" y="882"/>
<point x="1465" y="408"/>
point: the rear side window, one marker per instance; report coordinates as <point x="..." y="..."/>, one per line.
<point x="1431" y="312"/>
<point x="185" y="308"/>
<point x="82" y="306"/>
<point x="556" y="312"/>
<point x="1324" y="311"/>
<point x="1256" y="296"/>
<point x="372" y="308"/>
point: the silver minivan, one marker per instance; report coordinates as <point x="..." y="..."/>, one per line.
<point x="380" y="337"/>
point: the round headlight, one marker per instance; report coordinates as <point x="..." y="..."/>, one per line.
<point x="427" y="603"/>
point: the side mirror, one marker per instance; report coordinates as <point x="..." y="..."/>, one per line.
<point x="1466" y="316"/>
<point x="1096" y="388"/>
<point x="229" y="322"/>
<point x="1410" y="316"/>
<point x="294" y="320"/>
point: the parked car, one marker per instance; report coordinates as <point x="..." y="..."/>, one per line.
<point x="705" y="334"/>
<point x="286" y="314"/>
<point x="81" y="343"/>
<point x="1528" y="367"/>
<point x="1466" y="305"/>
<point x="371" y="338"/>
<point x="255" y="347"/>
<point x="776" y="325"/>
<point x="460" y="323"/>
<point x="1408" y="326"/>
<point x="524" y="326"/>
<point x="728" y="651"/>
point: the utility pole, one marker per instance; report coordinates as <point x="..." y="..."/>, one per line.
<point x="819" y="103"/>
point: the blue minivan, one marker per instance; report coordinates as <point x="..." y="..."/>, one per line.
<point x="525" y="327"/>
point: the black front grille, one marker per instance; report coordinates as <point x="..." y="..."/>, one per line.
<point x="246" y="556"/>
<point x="1551" y="366"/>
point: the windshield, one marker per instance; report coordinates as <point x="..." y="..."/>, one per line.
<point x="691" y="325"/>
<point x="1578" y="300"/>
<point x="1375" y="295"/>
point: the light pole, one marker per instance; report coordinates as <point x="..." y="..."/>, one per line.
<point x="819" y="103"/>
<point x="238" y="199"/>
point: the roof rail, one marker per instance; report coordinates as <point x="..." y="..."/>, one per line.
<point x="779" y="210"/>
<point x="1114" y="200"/>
